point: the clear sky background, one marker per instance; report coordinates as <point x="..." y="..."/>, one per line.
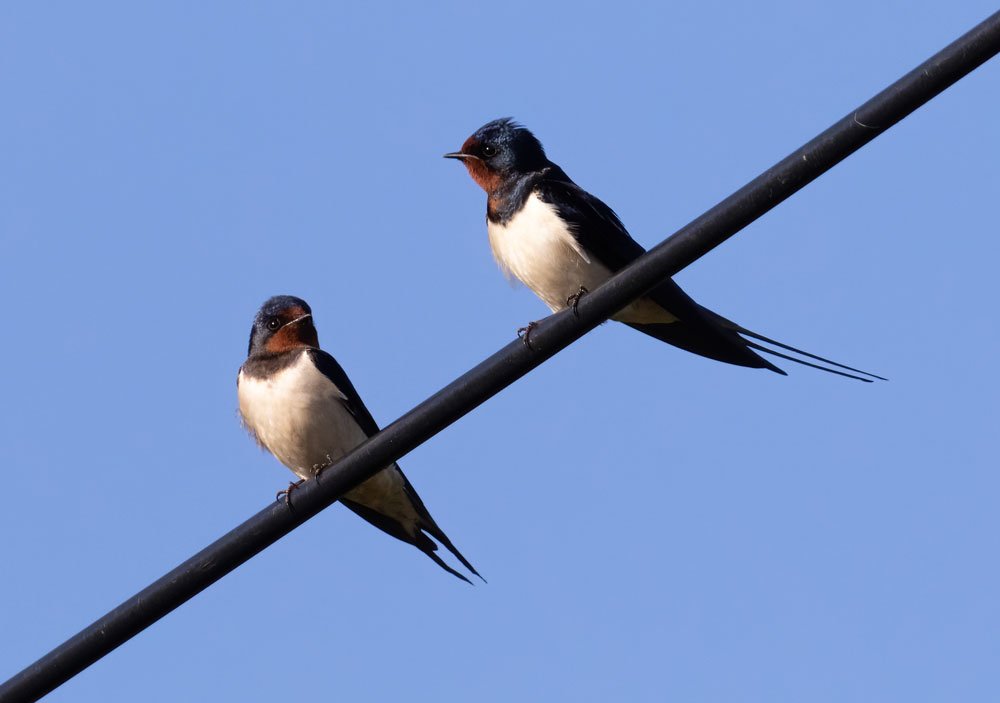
<point x="654" y="526"/>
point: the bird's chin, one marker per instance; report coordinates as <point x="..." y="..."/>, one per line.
<point x="487" y="179"/>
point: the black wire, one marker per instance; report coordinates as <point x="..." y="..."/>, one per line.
<point x="509" y="364"/>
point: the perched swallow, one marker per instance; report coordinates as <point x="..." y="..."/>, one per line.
<point x="561" y="241"/>
<point x="299" y="405"/>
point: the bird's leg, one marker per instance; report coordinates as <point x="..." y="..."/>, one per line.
<point x="292" y="485"/>
<point x="574" y="300"/>
<point x="524" y="334"/>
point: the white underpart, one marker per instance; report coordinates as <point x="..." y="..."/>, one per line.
<point x="537" y="248"/>
<point x="300" y="417"/>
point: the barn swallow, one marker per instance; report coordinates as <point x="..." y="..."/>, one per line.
<point x="297" y="403"/>
<point x="561" y="241"/>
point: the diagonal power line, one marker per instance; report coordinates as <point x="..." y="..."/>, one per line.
<point x="509" y="364"/>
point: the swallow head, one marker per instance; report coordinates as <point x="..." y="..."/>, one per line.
<point x="500" y="150"/>
<point x="283" y="323"/>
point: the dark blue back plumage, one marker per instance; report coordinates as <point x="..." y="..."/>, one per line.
<point x="509" y="162"/>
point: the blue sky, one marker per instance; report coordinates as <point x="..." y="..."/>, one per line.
<point x="654" y="526"/>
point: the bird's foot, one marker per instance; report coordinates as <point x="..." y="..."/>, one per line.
<point x="287" y="493"/>
<point x="318" y="469"/>
<point x="524" y="334"/>
<point x="574" y="300"/>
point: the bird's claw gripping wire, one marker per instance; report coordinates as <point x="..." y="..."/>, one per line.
<point x="524" y="334"/>
<point x="574" y="300"/>
<point x="287" y="492"/>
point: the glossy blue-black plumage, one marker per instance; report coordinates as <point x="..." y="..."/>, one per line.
<point x="274" y="308"/>
<point x="514" y="166"/>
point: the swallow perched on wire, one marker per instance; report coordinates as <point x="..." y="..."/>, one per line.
<point x="561" y="241"/>
<point x="298" y="404"/>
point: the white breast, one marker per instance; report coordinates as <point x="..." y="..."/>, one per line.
<point x="537" y="248"/>
<point x="299" y="416"/>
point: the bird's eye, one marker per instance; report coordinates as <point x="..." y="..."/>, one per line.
<point x="273" y="324"/>
<point x="489" y="150"/>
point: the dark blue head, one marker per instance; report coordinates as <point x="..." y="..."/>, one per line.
<point x="284" y="322"/>
<point x="498" y="150"/>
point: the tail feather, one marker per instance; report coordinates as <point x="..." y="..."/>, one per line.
<point x="428" y="525"/>
<point x="764" y="349"/>
<point x="428" y="547"/>
<point x="768" y="340"/>
<point x="740" y="329"/>
<point x="420" y="540"/>
<point x="438" y="534"/>
<point x="706" y="333"/>
<point x="716" y="346"/>
<point x="728" y="343"/>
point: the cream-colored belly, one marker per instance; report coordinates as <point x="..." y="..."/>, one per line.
<point x="300" y="417"/>
<point x="536" y="248"/>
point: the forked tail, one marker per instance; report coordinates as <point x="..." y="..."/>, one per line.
<point x="856" y="374"/>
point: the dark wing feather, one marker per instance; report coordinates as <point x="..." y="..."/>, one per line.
<point x="594" y="224"/>
<point x="698" y="329"/>
<point x="421" y="541"/>
<point x="602" y="235"/>
<point x="329" y="367"/>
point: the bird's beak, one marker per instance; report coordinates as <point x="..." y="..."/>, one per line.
<point x="292" y="322"/>
<point x="460" y="156"/>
